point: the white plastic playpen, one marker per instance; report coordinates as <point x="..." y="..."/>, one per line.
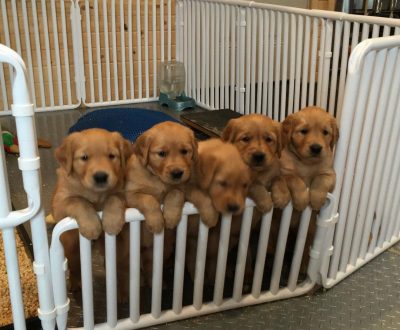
<point x="242" y="55"/>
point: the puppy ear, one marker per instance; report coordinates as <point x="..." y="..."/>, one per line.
<point x="335" y="132"/>
<point x="287" y="129"/>
<point x="124" y="146"/>
<point x="230" y="130"/>
<point x="142" y="146"/>
<point x="279" y="142"/>
<point x="195" y="155"/>
<point x="206" y="167"/>
<point x="65" y="153"/>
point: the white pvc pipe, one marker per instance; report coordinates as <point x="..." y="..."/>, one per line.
<point x="198" y="50"/>
<point x="57" y="52"/>
<point x="122" y="34"/>
<point x="277" y="65"/>
<point x="66" y="57"/>
<point x="201" y="254"/>
<point x="158" y="258"/>
<point x="260" y="81"/>
<point x="203" y="56"/>
<point x="217" y="56"/>
<point x="321" y="60"/>
<point x="162" y="42"/>
<point x="299" y="51"/>
<point x="87" y="282"/>
<point x="48" y="57"/>
<point x="247" y="61"/>
<point x="335" y="61"/>
<point x="221" y="59"/>
<point x="155" y="46"/>
<point x="306" y="58"/>
<point x="111" y="276"/>
<point x="285" y="50"/>
<point x="292" y="64"/>
<point x="89" y="50"/>
<point x="233" y="58"/>
<point x="134" y="271"/>
<point x="130" y="50"/>
<point x="271" y="63"/>
<point x="114" y="50"/>
<point x="107" y="50"/>
<point x="139" y="48"/>
<point x="266" y="54"/>
<point x="169" y="18"/>
<point x="311" y="91"/>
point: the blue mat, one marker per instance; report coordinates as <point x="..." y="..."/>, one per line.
<point x="130" y="122"/>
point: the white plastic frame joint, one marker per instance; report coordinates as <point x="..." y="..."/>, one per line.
<point x="328" y="222"/>
<point x="29" y="164"/>
<point x="47" y="316"/>
<point x="62" y="309"/>
<point x="22" y="110"/>
<point x="38" y="269"/>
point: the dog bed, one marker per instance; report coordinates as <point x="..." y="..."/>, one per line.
<point x="130" y="122"/>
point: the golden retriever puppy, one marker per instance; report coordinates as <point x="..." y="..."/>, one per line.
<point x="90" y="179"/>
<point x="306" y="161"/>
<point x="219" y="185"/>
<point x="258" y="139"/>
<point x="157" y="174"/>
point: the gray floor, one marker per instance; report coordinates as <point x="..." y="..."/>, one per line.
<point x="369" y="299"/>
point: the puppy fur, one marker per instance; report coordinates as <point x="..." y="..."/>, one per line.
<point x="258" y="139"/>
<point x="307" y="159"/>
<point x="157" y="173"/>
<point x="90" y="179"/>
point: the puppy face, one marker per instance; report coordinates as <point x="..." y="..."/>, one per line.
<point x="311" y="134"/>
<point x="167" y="150"/>
<point x="223" y="173"/>
<point x="96" y="157"/>
<point x="258" y="139"/>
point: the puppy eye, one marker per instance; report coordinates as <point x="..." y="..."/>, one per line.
<point x="184" y="152"/>
<point x="325" y="132"/>
<point x="304" y="131"/>
<point x="111" y="156"/>
<point x="223" y="184"/>
<point x="84" y="158"/>
<point x="162" y="154"/>
<point x="245" y="139"/>
<point x="268" y="139"/>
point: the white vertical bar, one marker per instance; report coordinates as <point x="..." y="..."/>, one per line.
<point x="204" y="37"/>
<point x="311" y="90"/>
<point x="306" y="58"/>
<point x="221" y="261"/>
<point x="299" y="52"/>
<point x="146" y="46"/>
<point x="114" y="50"/>
<point x="375" y="31"/>
<point x="3" y="89"/>
<point x="123" y="64"/>
<point x="193" y="48"/>
<point x="343" y="68"/>
<point x="107" y="50"/>
<point x="260" y="60"/>
<point x="365" y="31"/>
<point x="247" y="44"/>
<point x="162" y="42"/>
<point x="321" y="59"/>
<point x="16" y="27"/>
<point x="280" y="248"/>
<point x="169" y="29"/>
<point x="201" y="255"/>
<point x="38" y="54"/>
<point x="292" y="62"/>
<point x="222" y="60"/>
<point x="271" y="64"/>
<point x="29" y="52"/>
<point x="212" y="55"/>
<point x="355" y="35"/>
<point x="233" y="57"/>
<point x="198" y="50"/>
<point x="111" y="283"/>
<point x="217" y="54"/>
<point x="227" y="45"/>
<point x="299" y="248"/>
<point x="326" y="55"/>
<point x="87" y="282"/>
<point x="89" y="50"/>
<point x="266" y="53"/>
<point x="179" y="272"/>
<point x="285" y="51"/>
<point x="57" y="52"/>
<point x="48" y="56"/>
<point x="134" y="271"/>
<point x="334" y="75"/>
<point x="156" y="292"/>
<point x="189" y="57"/>
<point x="385" y="106"/>
<point x="154" y="16"/>
<point x="277" y="64"/>
<point x="186" y="45"/>
<point x="130" y="51"/>
<point x="261" y="254"/>
<point x="13" y="275"/>
<point x="139" y="48"/>
<point x="98" y="47"/>
<point x="358" y="186"/>
<point x="253" y="60"/>
<point x="241" y="59"/>
<point x="6" y="33"/>
<point x="242" y="253"/>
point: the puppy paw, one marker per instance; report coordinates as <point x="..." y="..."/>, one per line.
<point x="172" y="216"/>
<point x="265" y="205"/>
<point x="317" y="199"/>
<point x="281" y="199"/>
<point x="209" y="218"/>
<point x="91" y="230"/>
<point x="113" y="226"/>
<point x="301" y="200"/>
<point x="155" y="224"/>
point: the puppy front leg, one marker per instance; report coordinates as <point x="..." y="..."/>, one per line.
<point x="173" y="204"/>
<point x="114" y="214"/>
<point x="259" y="194"/>
<point x="298" y="190"/>
<point x="85" y="215"/>
<point x="320" y="186"/>
<point x="149" y="206"/>
<point x="203" y="203"/>
<point x="280" y="192"/>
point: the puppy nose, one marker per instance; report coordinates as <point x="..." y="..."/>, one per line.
<point x="100" y="177"/>
<point x="176" y="174"/>
<point x="258" y="157"/>
<point x="315" y="149"/>
<point x="233" y="207"/>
